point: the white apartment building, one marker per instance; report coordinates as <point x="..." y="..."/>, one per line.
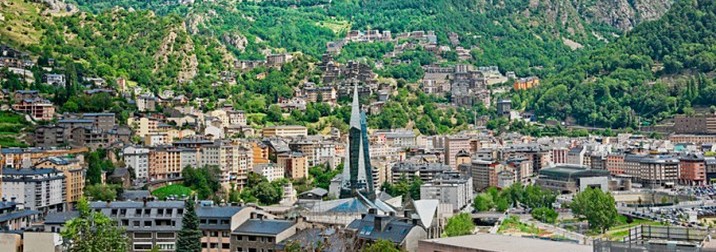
<point x="271" y="171"/>
<point x="37" y="189"/>
<point x="138" y="159"/>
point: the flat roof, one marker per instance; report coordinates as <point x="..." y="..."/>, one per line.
<point x="504" y="243"/>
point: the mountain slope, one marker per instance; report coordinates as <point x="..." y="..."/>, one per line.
<point x="660" y="68"/>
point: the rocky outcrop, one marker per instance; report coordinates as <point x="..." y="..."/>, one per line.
<point x="235" y="40"/>
<point x="625" y="14"/>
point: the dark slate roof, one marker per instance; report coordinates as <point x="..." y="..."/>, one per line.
<point x="17" y="214"/>
<point x="266" y="227"/>
<point x="135" y="195"/>
<point x="60" y="217"/>
<point x="395" y="230"/>
<point x="217" y="211"/>
<point x="134" y="204"/>
<point x="316" y="191"/>
<point x="27" y="171"/>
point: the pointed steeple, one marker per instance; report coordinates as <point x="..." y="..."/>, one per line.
<point x="355" y="109"/>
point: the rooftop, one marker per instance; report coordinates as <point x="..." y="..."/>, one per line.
<point x="267" y="227"/>
<point x="503" y="243"/>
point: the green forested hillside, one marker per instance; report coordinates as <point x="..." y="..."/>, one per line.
<point x="660" y="68"/>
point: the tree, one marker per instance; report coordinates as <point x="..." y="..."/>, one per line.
<point x="458" y="225"/>
<point x="544" y="214"/>
<point x="102" y="192"/>
<point x="267" y="193"/>
<point x="381" y="246"/>
<point x="597" y="207"/>
<point x="93" y="231"/>
<point x="189" y="237"/>
<point x="483" y="202"/>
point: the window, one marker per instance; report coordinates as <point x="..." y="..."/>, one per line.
<point x="137" y="212"/>
<point x="225" y="246"/>
<point x="252" y="238"/>
<point x="135" y="224"/>
<point x="147" y="224"/>
<point x="214" y="234"/>
<point x="165" y="245"/>
<point x="165" y="235"/>
<point x="203" y="245"/>
<point x="142" y="235"/>
<point x="114" y="211"/>
<point x="142" y="246"/>
<point x="160" y="211"/>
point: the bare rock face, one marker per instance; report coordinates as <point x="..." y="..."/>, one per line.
<point x="59" y="6"/>
<point x="235" y="40"/>
<point x="625" y="14"/>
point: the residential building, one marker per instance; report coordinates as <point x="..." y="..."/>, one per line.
<point x="146" y="103"/>
<point x="285" y="131"/>
<point x="373" y="227"/>
<point x="37" y="108"/>
<point x="453" y="145"/>
<point x="165" y="163"/>
<point x="658" y="171"/>
<point x="504" y="107"/>
<point x="74" y="176"/>
<point x="271" y="171"/>
<point x="152" y="224"/>
<point x="233" y="158"/>
<point x="526" y="83"/>
<point x="484" y="173"/>
<point x="576" y="155"/>
<point x="217" y="223"/>
<point x="449" y="188"/>
<point x="698" y="124"/>
<point x="36" y="189"/>
<point x="424" y="171"/>
<point x="261" y="235"/>
<point x="294" y="163"/>
<point x="615" y="163"/>
<point x="13" y="218"/>
<point x="692" y="170"/>
<point x="138" y="159"/>
<point x="57" y="80"/>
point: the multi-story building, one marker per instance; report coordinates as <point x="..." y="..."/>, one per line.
<point x="691" y="138"/>
<point x="701" y="124"/>
<point x="615" y="163"/>
<point x="74" y="176"/>
<point x="236" y="117"/>
<point x="396" y="137"/>
<point x="657" y="171"/>
<point x="261" y="235"/>
<point x="710" y="169"/>
<point x="217" y="223"/>
<point x="504" y="107"/>
<point x="234" y="160"/>
<point x="559" y="155"/>
<point x="271" y="171"/>
<point x="165" y="163"/>
<point x="373" y="227"/>
<point x="148" y="225"/>
<point x="13" y="218"/>
<point x="37" y="189"/>
<point x="484" y="173"/>
<point x="294" y="163"/>
<point x="146" y="103"/>
<point x="38" y="108"/>
<point x="260" y="153"/>
<point x="449" y="188"/>
<point x="569" y="178"/>
<point x="285" y="131"/>
<point x="576" y="155"/>
<point x="57" y="80"/>
<point x="411" y="170"/>
<point x="692" y="169"/>
<point x="143" y="125"/>
<point x="453" y="146"/>
<point x="138" y="159"/>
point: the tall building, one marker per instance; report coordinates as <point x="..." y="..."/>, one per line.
<point x="357" y="172"/>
